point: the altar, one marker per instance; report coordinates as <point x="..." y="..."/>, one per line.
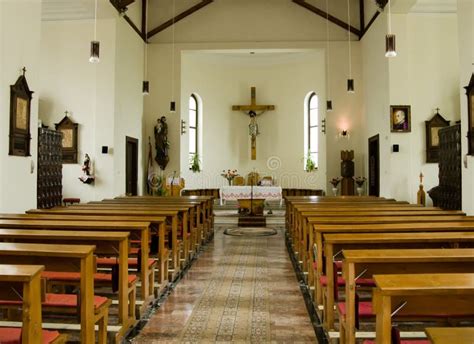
<point x="234" y="193"/>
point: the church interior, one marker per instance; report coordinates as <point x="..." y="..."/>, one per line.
<point x="223" y="171"/>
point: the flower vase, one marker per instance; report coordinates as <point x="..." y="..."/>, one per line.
<point x="360" y="190"/>
<point x="230" y="181"/>
<point x="334" y="191"/>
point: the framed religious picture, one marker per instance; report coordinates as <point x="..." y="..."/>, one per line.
<point x="400" y="118"/>
<point x="20" y="108"/>
<point x="69" y="140"/>
<point x="432" y="139"/>
<point x="470" y="116"/>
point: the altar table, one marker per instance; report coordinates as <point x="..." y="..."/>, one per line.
<point x="233" y="193"/>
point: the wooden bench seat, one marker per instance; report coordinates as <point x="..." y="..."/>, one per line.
<point x="451" y="293"/>
<point x="450" y="335"/>
<point x="13" y="335"/>
<point x="70" y="258"/>
<point x="392" y="261"/>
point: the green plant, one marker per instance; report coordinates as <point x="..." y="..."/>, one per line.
<point x="310" y="165"/>
<point x="195" y="163"/>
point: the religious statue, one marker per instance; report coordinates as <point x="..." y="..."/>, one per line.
<point x="86" y="168"/>
<point x="253" y="126"/>
<point x="347" y="173"/>
<point x="161" y="142"/>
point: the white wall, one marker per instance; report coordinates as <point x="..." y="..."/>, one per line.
<point x="347" y="108"/>
<point x="19" y="47"/>
<point x="104" y="98"/>
<point x="425" y="75"/>
<point x="68" y="81"/>
<point x="466" y="60"/>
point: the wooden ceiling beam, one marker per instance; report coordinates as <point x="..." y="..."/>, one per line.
<point x="361" y="16"/>
<point x="331" y="18"/>
<point x="179" y="17"/>
<point x="369" y="24"/>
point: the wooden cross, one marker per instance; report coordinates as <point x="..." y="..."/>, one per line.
<point x="253" y="110"/>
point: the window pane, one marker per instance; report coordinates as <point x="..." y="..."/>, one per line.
<point x="313" y="102"/>
<point x="192" y="118"/>
<point x="192" y="103"/>
<point x="192" y="140"/>
<point x="313" y="142"/>
<point x="313" y="117"/>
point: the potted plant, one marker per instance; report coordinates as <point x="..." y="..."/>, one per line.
<point x="195" y="163"/>
<point x="360" y="184"/>
<point x="335" y="182"/>
<point x="310" y="165"/>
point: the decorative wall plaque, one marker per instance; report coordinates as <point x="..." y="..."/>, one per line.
<point x="20" y="107"/>
<point x="432" y="138"/>
<point x="69" y="141"/>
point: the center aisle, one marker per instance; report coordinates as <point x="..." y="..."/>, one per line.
<point x="240" y="290"/>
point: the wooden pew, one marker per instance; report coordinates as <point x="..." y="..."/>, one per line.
<point x="155" y="222"/>
<point x="141" y="230"/>
<point x="393" y="261"/>
<point x="169" y="214"/>
<point x="70" y="258"/>
<point x="450" y="335"/>
<point x="450" y="294"/>
<point x="26" y="281"/>
<point x="319" y="230"/>
<point x="186" y="212"/>
<point x="107" y="243"/>
<point x="335" y="243"/>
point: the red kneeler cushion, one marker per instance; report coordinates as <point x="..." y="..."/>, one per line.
<point x="58" y="300"/>
<point x="113" y="261"/>
<point x="405" y="341"/>
<point x="365" y="309"/>
<point x="11" y="335"/>
<point x="76" y="276"/>
<point x="341" y="282"/>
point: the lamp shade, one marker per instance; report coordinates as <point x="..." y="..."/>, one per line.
<point x="390" y="50"/>
<point x="146" y="88"/>
<point x="328" y="105"/>
<point x="95" y="50"/>
<point x="350" y="85"/>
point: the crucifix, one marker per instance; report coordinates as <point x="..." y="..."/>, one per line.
<point x="253" y="110"/>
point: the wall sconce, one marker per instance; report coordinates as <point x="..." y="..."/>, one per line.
<point x="344" y="134"/>
<point x="172" y="107"/>
<point x="183" y="127"/>
<point x="323" y="126"/>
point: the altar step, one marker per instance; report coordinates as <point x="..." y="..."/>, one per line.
<point x="252" y="221"/>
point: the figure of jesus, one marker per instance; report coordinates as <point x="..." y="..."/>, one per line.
<point x="253" y="126"/>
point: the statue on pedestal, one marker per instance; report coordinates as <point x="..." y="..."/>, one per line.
<point x="347" y="173"/>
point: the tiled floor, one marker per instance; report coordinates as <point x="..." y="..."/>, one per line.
<point x="240" y="290"/>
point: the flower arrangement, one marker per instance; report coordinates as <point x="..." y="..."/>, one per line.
<point x="359" y="181"/>
<point x="229" y="175"/>
<point x="335" y="181"/>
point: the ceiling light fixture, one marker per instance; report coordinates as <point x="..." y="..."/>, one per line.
<point x="172" y="103"/>
<point x="328" y="86"/>
<point x="95" y="44"/>
<point x="350" y="81"/>
<point x="390" y="50"/>
<point x="146" y="83"/>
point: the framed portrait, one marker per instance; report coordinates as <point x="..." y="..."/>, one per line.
<point x="470" y="115"/>
<point x="400" y="118"/>
<point x="20" y="107"/>
<point x="68" y="130"/>
<point x="432" y="139"/>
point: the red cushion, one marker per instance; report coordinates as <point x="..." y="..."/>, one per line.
<point x="323" y="280"/>
<point x="10" y="335"/>
<point x="113" y="261"/>
<point x="134" y="250"/>
<point x="365" y="309"/>
<point x="58" y="300"/>
<point x="408" y="341"/>
<point x="76" y="276"/>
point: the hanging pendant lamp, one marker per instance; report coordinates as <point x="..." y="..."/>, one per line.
<point x="146" y="83"/>
<point x="390" y="49"/>
<point x="172" y="103"/>
<point x="328" y="87"/>
<point x="350" y="81"/>
<point x="95" y="44"/>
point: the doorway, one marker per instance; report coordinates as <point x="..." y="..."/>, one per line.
<point x="374" y="166"/>
<point x="131" y="166"/>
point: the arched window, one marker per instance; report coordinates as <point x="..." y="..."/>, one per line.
<point x="193" y="126"/>
<point x="312" y="121"/>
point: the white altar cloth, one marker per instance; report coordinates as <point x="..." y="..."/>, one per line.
<point x="233" y="193"/>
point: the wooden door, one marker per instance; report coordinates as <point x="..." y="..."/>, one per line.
<point x="131" y="166"/>
<point x="374" y="166"/>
